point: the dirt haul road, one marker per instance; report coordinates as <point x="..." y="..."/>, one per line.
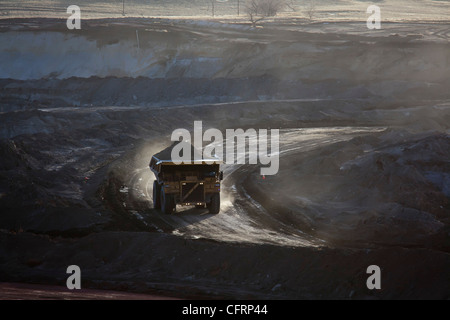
<point x="242" y="218"/>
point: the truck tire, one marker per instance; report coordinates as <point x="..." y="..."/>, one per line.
<point x="167" y="203"/>
<point x="156" y="195"/>
<point x="214" y="205"/>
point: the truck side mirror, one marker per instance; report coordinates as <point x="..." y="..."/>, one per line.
<point x="221" y="175"/>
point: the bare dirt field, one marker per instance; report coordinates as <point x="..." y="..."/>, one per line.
<point x="364" y="172"/>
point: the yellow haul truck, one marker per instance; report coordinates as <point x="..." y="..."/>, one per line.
<point x="194" y="183"/>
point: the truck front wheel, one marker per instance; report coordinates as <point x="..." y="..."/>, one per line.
<point x="156" y="195"/>
<point x="214" y="205"/>
<point x="167" y="203"/>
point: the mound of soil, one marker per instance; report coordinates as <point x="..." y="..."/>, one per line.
<point x="386" y="189"/>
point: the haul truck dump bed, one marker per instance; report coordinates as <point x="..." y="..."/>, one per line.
<point x="196" y="183"/>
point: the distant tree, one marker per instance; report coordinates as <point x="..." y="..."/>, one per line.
<point x="311" y="9"/>
<point x="291" y="5"/>
<point x="258" y="10"/>
<point x="213" y="2"/>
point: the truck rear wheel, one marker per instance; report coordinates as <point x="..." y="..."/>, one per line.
<point x="214" y="205"/>
<point x="156" y="195"/>
<point x="167" y="203"/>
